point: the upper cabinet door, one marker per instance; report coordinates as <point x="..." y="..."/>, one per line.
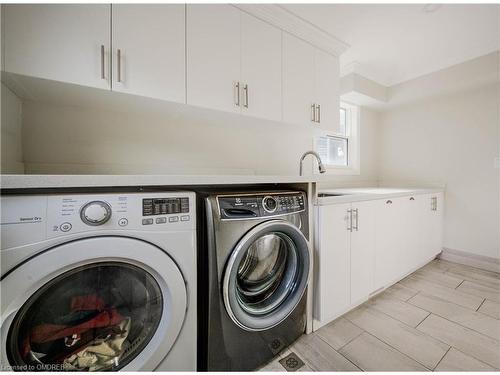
<point x="298" y="80"/>
<point x="260" y="68"/>
<point x="327" y="91"/>
<point x="213" y="56"/>
<point x="67" y="43"/>
<point x="149" y="51"/>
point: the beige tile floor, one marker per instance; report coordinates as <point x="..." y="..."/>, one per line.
<point x="443" y="317"/>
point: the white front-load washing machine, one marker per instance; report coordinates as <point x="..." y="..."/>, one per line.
<point x="98" y="282"/>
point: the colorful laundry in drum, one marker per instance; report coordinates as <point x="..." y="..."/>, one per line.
<point x="91" y="336"/>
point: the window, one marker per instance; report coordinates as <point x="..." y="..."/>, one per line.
<point x="338" y="148"/>
<point x="333" y="150"/>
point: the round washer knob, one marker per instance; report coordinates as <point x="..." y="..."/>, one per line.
<point x="95" y="213"/>
<point x="269" y="203"/>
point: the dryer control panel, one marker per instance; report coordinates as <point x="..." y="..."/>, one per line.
<point x="248" y="206"/>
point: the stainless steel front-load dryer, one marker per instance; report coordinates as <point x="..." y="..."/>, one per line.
<point x="257" y="269"/>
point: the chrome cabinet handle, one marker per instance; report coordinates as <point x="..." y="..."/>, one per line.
<point x="318" y="108"/>
<point x="103" y="75"/>
<point x="389" y="202"/>
<point x="412" y="199"/>
<point x="434" y="204"/>
<point x="118" y="65"/>
<point x="245" y="91"/>
<point x="313" y="112"/>
<point x="237" y="94"/>
<point x="357" y="219"/>
<point x="349" y="223"/>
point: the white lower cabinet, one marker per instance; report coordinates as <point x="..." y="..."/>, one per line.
<point x="363" y="247"/>
<point x="432" y="234"/>
<point x="344" y="258"/>
<point x="362" y="250"/>
<point x="332" y="261"/>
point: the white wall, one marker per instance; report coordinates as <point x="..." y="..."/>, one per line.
<point x="182" y="140"/>
<point x="65" y="139"/>
<point x="12" y="151"/>
<point x="452" y="138"/>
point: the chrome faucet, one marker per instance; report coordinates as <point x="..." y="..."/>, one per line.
<point x="321" y="167"/>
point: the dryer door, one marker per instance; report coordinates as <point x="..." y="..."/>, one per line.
<point x="266" y="275"/>
<point x="103" y="303"/>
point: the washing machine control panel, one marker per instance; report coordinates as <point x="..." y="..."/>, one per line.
<point x="248" y="206"/>
<point x="34" y="218"/>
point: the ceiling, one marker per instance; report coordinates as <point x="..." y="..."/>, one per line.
<point x="394" y="43"/>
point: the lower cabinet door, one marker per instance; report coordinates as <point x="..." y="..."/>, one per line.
<point x="389" y="241"/>
<point x="432" y="222"/>
<point x="412" y="255"/>
<point x="363" y="250"/>
<point x="332" y="262"/>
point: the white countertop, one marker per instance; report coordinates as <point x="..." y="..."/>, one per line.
<point x="79" y="181"/>
<point x="346" y="195"/>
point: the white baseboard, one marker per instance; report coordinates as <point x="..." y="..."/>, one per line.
<point x="470" y="259"/>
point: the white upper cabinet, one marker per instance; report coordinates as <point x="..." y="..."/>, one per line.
<point x="310" y="85"/>
<point x="69" y="43"/>
<point x="216" y="56"/>
<point x="260" y="68"/>
<point x="213" y="56"/>
<point x="149" y="50"/>
<point x="234" y="62"/>
<point x="327" y="91"/>
<point x="298" y="80"/>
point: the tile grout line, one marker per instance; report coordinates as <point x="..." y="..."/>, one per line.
<point x="452" y="321"/>
<point x="459" y="284"/>
<point x="472" y="294"/>
<point x="441" y="358"/>
<point x="475" y="280"/>
<point x="397" y="350"/>
<point x="484" y="300"/>
<point x="465" y="294"/>
<point x="422" y="322"/>
<point x="400" y="321"/>
<point x="321" y="355"/>
<point x="396" y="319"/>
<point x="458" y="324"/>
<point x="477" y="359"/>
<point x="338" y="352"/>
<point x="351" y="340"/>
<point x="469" y="354"/>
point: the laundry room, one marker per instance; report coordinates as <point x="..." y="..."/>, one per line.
<point x="250" y="187"/>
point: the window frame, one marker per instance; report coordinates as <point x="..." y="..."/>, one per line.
<point x="353" y="142"/>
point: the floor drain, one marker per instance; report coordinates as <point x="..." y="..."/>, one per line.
<point x="276" y="346"/>
<point x="291" y="362"/>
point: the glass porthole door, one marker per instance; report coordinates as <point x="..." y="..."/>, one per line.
<point x="100" y="304"/>
<point x="95" y="318"/>
<point x="266" y="275"/>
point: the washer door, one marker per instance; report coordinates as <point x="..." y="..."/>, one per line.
<point x="266" y="275"/>
<point x="103" y="303"/>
